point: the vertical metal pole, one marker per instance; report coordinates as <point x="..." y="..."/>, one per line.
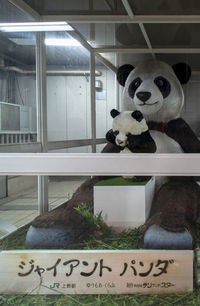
<point x="117" y="84"/>
<point x="41" y="90"/>
<point x="93" y="100"/>
<point x="43" y="203"/>
<point x="41" y="116"/>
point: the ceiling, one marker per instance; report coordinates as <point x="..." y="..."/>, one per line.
<point x="77" y="7"/>
<point x="121" y="31"/>
<point x="113" y="7"/>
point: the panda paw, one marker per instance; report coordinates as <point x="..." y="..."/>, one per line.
<point x="56" y="236"/>
<point x="110" y="137"/>
<point x="157" y="237"/>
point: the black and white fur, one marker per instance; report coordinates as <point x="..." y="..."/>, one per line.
<point x="130" y="132"/>
<point x="125" y="125"/>
<point x="155" y="89"/>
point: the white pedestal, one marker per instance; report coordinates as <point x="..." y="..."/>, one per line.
<point x="124" y="207"/>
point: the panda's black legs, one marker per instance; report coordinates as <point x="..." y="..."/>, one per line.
<point x="174" y="213"/>
<point x="64" y="225"/>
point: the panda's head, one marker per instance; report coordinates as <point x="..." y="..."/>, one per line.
<point x="127" y="123"/>
<point x="154" y="88"/>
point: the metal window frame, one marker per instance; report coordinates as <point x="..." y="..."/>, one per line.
<point x="100" y="164"/>
<point x="141" y="20"/>
<point x="43" y="145"/>
<point x="123" y="18"/>
<point x="104" y="164"/>
<point x="42" y="136"/>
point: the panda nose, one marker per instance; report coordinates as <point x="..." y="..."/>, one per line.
<point x="143" y="95"/>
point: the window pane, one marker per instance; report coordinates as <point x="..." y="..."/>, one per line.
<point x="68" y="88"/>
<point x="165" y="7"/>
<point x="109" y="34"/>
<point x="81" y="149"/>
<point x="85" y="7"/>
<point x="18" y="202"/>
<point x="61" y="189"/>
<point x="18" y="119"/>
<point x="176" y="35"/>
<point x="105" y="87"/>
<point x="10" y="13"/>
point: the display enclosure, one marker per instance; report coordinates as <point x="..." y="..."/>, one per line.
<point x="58" y="84"/>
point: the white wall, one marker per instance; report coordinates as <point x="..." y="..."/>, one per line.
<point x="68" y="104"/>
<point x="68" y="108"/>
<point x="69" y="111"/>
<point x="103" y="107"/>
<point x="25" y="94"/>
<point x="56" y="108"/>
<point x="78" y="108"/>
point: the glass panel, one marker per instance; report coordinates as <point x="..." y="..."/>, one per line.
<point x="105" y="87"/>
<point x="10" y="13"/>
<point x="102" y="34"/>
<point x="176" y="35"/>
<point x="18" y="202"/>
<point x="191" y="59"/>
<point x="77" y="7"/>
<point x="81" y="149"/>
<point x="61" y="189"/>
<point x="126" y="58"/>
<point x="68" y="88"/>
<point x="84" y="149"/>
<point x="191" y="109"/>
<point x="165" y="7"/>
<point x="100" y="147"/>
<point x="18" y="119"/>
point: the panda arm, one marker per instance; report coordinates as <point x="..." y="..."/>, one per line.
<point x="110" y="137"/>
<point x="142" y="143"/>
<point x="111" y="146"/>
<point x="181" y="132"/>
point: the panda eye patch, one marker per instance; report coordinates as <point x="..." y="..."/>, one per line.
<point x="116" y="133"/>
<point x="163" y="85"/>
<point x="133" y="86"/>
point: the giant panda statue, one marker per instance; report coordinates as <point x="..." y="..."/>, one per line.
<point x="153" y="88"/>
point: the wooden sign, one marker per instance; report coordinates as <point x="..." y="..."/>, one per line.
<point x="95" y="272"/>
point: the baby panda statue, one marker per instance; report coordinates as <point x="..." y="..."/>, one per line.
<point x="130" y="132"/>
<point x="153" y="88"/>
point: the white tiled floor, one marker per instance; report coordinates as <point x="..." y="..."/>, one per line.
<point x="20" y="209"/>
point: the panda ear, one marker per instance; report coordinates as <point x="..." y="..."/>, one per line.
<point x="123" y="73"/>
<point x="182" y="71"/>
<point x="137" y="115"/>
<point x="114" y="113"/>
